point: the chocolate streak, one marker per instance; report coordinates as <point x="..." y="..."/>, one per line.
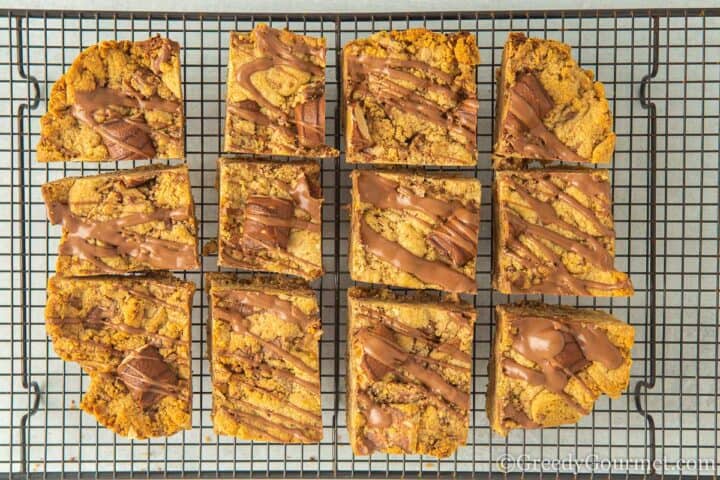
<point x="308" y="116"/>
<point x="455" y="233"/>
<point x="156" y="252"/>
<point x="126" y="138"/>
<point x="259" y="301"/>
<point x="585" y="244"/>
<point x="524" y="130"/>
<point x="560" y="350"/>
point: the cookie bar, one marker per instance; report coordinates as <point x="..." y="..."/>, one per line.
<point x="125" y="221"/>
<point x="550" y="363"/>
<point x="270" y="216"/>
<point x="132" y="336"/>
<point x="414" y="231"/>
<point x="554" y="234"/>
<point x="409" y="373"/>
<point x="410" y="98"/>
<point x="120" y="100"/>
<point x="548" y="107"/>
<point x="264" y="337"/>
<point x="276" y="94"/>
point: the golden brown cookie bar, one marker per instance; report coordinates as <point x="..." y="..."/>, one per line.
<point x="554" y="234"/>
<point x="270" y="216"/>
<point x="264" y="335"/>
<point x="132" y="336"/>
<point x="120" y="100"/>
<point x="276" y="94"/>
<point x="409" y="372"/>
<point x="410" y="98"/>
<point x="548" y="107"/>
<point x="125" y="221"/>
<point x="550" y="363"/>
<point x="414" y="231"/>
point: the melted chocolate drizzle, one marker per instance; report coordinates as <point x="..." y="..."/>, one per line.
<point x="81" y="235"/>
<point x="560" y="351"/>
<point x="257" y="302"/>
<point x="587" y="245"/>
<point x="454" y="234"/>
<point x="523" y="128"/>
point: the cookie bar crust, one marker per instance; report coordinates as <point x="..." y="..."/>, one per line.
<point x="276" y="94"/>
<point x="132" y="336"/>
<point x="409" y="372"/>
<point x="414" y="231"/>
<point x="125" y="221"/>
<point x="411" y="98"/>
<point x="264" y="359"/>
<point x="119" y="100"/>
<point x="551" y="363"/>
<point x="549" y="109"/>
<point x="270" y="216"/>
<point x="554" y="234"/>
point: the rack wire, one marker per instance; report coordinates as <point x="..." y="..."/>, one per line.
<point x="662" y="77"/>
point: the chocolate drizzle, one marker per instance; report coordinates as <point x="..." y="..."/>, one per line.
<point x="454" y="234"/>
<point x="146" y="375"/>
<point x="257" y="301"/>
<point x="560" y="351"/>
<point x="126" y="136"/>
<point x="94" y="240"/>
<point x="523" y="129"/>
<point x="308" y="118"/>
<point x="268" y="221"/>
<point x="549" y="228"/>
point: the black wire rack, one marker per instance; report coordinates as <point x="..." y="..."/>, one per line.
<point x="662" y="76"/>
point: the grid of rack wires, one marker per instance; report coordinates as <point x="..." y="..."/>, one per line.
<point x="662" y="77"/>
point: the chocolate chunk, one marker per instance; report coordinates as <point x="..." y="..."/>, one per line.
<point x="147" y="376"/>
<point x="268" y="221"/>
<point x="309" y="118"/>
<point x="122" y="135"/>
<point x="360" y="137"/>
<point x="457" y="236"/>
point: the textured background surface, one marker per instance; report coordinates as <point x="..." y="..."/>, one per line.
<point x="683" y="403"/>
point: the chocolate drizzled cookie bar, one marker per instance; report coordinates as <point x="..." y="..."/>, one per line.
<point x="132" y="336"/>
<point x="548" y="107"/>
<point x="270" y="216"/>
<point x="550" y="363"/>
<point x="554" y="234"/>
<point x="409" y="373"/>
<point x="276" y="94"/>
<point x="263" y="338"/>
<point x="414" y="231"/>
<point x="125" y="221"/>
<point x="120" y="100"/>
<point x="410" y="98"/>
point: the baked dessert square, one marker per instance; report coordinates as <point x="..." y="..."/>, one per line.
<point x="264" y="359"/>
<point x="125" y="221"/>
<point x="132" y="336"/>
<point x="554" y="234"/>
<point x="549" y="108"/>
<point x="410" y="98"/>
<point x="119" y="100"/>
<point x="550" y="363"/>
<point x="270" y="216"/>
<point x="276" y="94"/>
<point x="414" y="231"/>
<point x="409" y="372"/>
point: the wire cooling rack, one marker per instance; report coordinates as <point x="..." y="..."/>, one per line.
<point x="662" y="76"/>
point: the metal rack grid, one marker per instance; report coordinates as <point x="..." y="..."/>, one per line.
<point x="662" y="77"/>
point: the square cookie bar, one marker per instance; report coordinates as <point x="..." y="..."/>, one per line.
<point x="410" y="98"/>
<point x="409" y="372"/>
<point x="132" y="336"/>
<point x="270" y="216"/>
<point x="124" y="221"/>
<point x="264" y="362"/>
<point x="554" y="234"/>
<point x="414" y="231"/>
<point x="276" y="94"/>
<point x="548" y="107"/>
<point x="119" y="100"/>
<point x="550" y="363"/>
